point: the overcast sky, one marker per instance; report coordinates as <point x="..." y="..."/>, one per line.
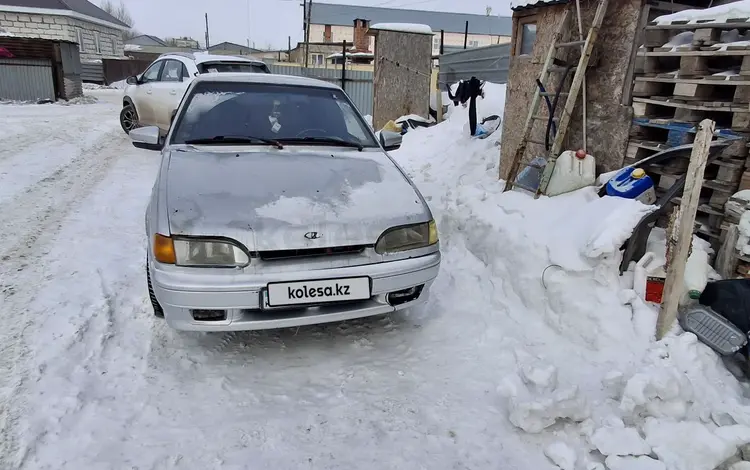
<point x="264" y="22"/>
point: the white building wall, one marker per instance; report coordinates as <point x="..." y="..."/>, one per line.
<point x="65" y="28"/>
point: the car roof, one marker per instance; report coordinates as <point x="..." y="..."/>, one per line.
<point x="201" y="58"/>
<point x="267" y="78"/>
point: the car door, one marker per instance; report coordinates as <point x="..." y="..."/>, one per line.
<point x="143" y="94"/>
<point x="169" y="91"/>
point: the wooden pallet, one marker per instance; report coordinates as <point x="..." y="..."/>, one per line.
<point x="732" y="90"/>
<point x="692" y="64"/>
<point x="726" y="115"/>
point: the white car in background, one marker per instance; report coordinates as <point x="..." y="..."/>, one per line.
<point x="152" y="97"/>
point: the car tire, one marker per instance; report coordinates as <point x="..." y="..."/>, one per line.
<point x="158" y="311"/>
<point x="128" y="118"/>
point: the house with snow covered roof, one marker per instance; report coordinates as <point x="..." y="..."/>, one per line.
<point x="334" y="23"/>
<point x="97" y="33"/>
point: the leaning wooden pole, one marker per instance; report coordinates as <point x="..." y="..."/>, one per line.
<point x="675" y="282"/>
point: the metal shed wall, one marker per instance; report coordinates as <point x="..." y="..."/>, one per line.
<point x="26" y="80"/>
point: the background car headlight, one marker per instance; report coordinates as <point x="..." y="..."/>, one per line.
<point x="209" y="253"/>
<point x="409" y="237"/>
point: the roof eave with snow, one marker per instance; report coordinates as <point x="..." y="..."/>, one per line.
<point x="60" y="12"/>
<point x="411" y="28"/>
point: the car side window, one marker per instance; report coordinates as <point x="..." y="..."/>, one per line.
<point x="152" y="73"/>
<point x="172" y="71"/>
<point x="185" y="72"/>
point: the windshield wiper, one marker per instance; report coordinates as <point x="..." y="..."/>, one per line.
<point x="234" y="139"/>
<point x="324" y="140"/>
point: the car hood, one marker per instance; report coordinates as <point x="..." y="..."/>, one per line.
<point x="289" y="199"/>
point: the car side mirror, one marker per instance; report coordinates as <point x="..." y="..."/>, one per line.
<point x="148" y="138"/>
<point x="132" y="80"/>
<point x="390" y="140"/>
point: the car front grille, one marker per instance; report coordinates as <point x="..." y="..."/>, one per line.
<point x="276" y="255"/>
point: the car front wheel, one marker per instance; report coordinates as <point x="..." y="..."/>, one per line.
<point x="128" y="118"/>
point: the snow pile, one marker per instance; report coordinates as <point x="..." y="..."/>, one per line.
<point x="119" y="85"/>
<point x="403" y="27"/>
<point x="132" y="47"/>
<point x="85" y="99"/>
<point x="578" y="369"/>
<point x="681" y="40"/>
<point x="717" y="14"/>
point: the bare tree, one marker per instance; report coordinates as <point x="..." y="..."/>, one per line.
<point x="122" y="13"/>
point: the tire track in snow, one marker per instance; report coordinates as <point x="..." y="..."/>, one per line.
<point x="30" y="221"/>
<point x="91" y="329"/>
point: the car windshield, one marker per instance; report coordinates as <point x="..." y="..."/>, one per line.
<point x="293" y="115"/>
<point x="236" y="67"/>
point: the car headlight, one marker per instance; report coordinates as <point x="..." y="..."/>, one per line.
<point x="409" y="237"/>
<point x="199" y="252"/>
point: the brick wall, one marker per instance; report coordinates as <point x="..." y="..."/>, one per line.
<point x="64" y="28"/>
<point x="361" y="40"/>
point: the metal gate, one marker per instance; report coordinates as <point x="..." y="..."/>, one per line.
<point x="26" y="80"/>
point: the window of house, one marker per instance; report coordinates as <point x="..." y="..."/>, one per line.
<point x="97" y="43"/>
<point x="317" y="59"/>
<point x="526" y="36"/>
<point x="79" y="37"/>
<point x="473" y="43"/>
<point x="436" y="44"/>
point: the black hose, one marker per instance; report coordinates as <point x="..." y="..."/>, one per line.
<point x="551" y="121"/>
<point x="550" y="109"/>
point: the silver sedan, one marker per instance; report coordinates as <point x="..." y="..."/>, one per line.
<point x="276" y="205"/>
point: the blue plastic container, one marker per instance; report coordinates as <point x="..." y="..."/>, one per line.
<point x="630" y="183"/>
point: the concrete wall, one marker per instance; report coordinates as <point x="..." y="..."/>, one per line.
<point x="404" y="89"/>
<point x="65" y="28"/>
<point x="608" y="121"/>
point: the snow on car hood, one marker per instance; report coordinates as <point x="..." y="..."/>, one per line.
<point x="269" y="200"/>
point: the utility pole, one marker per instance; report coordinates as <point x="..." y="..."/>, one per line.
<point x="207" y="42"/>
<point x="307" y="32"/>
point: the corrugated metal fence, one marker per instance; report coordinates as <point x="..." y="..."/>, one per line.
<point x="490" y="63"/>
<point x="358" y="82"/>
<point x="92" y="72"/>
<point x="26" y="80"/>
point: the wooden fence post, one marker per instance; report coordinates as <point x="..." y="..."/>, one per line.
<point x="674" y="284"/>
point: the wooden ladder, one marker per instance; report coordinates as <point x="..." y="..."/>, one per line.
<point x="548" y="68"/>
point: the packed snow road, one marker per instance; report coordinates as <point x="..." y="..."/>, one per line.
<point x="92" y="380"/>
<point x="531" y="350"/>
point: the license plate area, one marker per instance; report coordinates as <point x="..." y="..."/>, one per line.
<point x="316" y="292"/>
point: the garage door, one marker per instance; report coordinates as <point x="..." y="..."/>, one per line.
<point x="26" y="80"/>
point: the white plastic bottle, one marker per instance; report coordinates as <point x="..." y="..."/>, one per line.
<point x="573" y="170"/>
<point x="696" y="274"/>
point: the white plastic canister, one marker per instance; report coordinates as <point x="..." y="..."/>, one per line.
<point x="573" y="170"/>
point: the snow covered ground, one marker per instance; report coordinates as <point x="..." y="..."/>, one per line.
<point x="529" y="351"/>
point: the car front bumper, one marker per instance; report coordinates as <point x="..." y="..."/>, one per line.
<point x="181" y="290"/>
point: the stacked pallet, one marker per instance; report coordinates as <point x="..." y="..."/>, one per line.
<point x="685" y="73"/>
